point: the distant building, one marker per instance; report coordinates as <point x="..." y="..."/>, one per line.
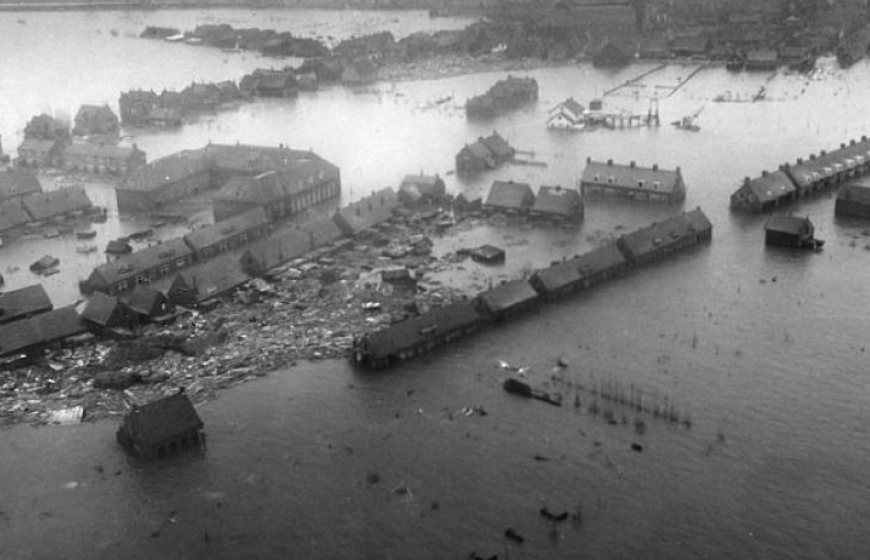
<point x="102" y="158"/>
<point x="422" y="188"/>
<point x="567" y="115"/>
<point x="162" y="428"/>
<point x="38" y="152"/>
<point x="632" y="181"/>
<point x="510" y="197"/>
<point x="96" y="119"/>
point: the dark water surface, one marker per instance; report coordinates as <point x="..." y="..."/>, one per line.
<point x="765" y="352"/>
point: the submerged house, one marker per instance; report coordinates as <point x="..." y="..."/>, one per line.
<point x="149" y="304"/>
<point x="422" y="188"/>
<point x="790" y="231"/>
<point x="162" y="427"/>
<point x="632" y="181"/>
<point x="510" y="197"/>
<point x="16" y="183"/>
<point x="61" y="202"/>
<point x="107" y="312"/>
<point x="764" y="193"/>
<point x="579" y="273"/>
<point x="416" y="335"/>
<point x="854" y="200"/>
<point x="567" y="114"/>
<point x="507" y="299"/>
<point x="557" y="203"/>
<point x="662" y="238"/>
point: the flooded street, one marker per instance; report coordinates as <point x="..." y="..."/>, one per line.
<point x="764" y="350"/>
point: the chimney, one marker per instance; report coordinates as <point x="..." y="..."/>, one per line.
<point x="812" y="157"/>
<point x="823" y="153"/>
<point x="764" y="173"/>
<point x="842" y="146"/>
<point x="588" y="159"/>
<point x="746" y="180"/>
<point x="631" y="164"/>
<point x="655" y="167"/>
<point x="610" y="162"/>
<point x="800" y="161"/>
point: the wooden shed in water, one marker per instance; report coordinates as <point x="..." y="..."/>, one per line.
<point x="161" y="428"/>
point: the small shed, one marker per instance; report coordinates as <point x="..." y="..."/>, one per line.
<point x="161" y="428"/>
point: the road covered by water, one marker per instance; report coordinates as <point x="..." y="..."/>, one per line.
<point x="764" y="350"/>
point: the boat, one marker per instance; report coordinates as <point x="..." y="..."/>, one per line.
<point x="142" y="234"/>
<point x="85" y="234"/>
<point x="688" y="122"/>
<point x="86" y="248"/>
<point x="43" y="265"/>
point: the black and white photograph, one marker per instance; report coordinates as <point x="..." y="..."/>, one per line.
<point x="434" y="279"/>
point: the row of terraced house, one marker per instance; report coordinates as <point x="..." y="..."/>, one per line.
<point x="791" y="181"/>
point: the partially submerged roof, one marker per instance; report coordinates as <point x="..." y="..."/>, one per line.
<point x="507" y="296"/>
<point x="163" y="419"/>
<point x="665" y="233"/>
<point x="18" y="303"/>
<point x="58" y="324"/>
<point x="855" y="192"/>
<point x="17" y="337"/>
<point x="770" y="186"/>
<point x="43" y="205"/>
<point x="417" y="330"/>
<point x="557" y="201"/>
<point x="787" y="224"/>
<point x="508" y="194"/>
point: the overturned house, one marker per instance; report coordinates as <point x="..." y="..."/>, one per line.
<point x="161" y="428"/>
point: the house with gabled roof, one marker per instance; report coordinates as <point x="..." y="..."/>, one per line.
<point x="499" y="148"/>
<point x="764" y="193"/>
<point x="632" y="181"/>
<point x="140" y="267"/>
<point x="161" y="428"/>
<point x="103" y="312"/>
<point x="510" y="197"/>
<point x="668" y="236"/>
<point x="19" y="337"/>
<point x="789" y="231"/>
<point x="40" y="152"/>
<point x="558" y="204"/>
<point x="96" y="119"/>
<point x="197" y="284"/>
<point x="567" y="114"/>
<point x="149" y="303"/>
<point x="422" y="188"/>
<point x="23" y="303"/>
<point x="475" y="157"/>
<point x="164" y="180"/>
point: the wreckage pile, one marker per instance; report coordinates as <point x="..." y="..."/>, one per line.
<point x="311" y="308"/>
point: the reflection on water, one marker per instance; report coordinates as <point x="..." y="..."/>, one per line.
<point x="766" y="350"/>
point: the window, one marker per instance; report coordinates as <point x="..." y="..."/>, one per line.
<point x="610" y="179"/>
<point x="179" y="263"/>
<point x="164" y="269"/>
<point x="640" y="184"/>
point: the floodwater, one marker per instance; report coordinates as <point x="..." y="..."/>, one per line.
<point x="763" y="350"/>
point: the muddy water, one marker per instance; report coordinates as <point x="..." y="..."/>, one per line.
<point x="764" y="351"/>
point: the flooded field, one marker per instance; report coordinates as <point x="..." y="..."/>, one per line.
<point x="764" y="350"/>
